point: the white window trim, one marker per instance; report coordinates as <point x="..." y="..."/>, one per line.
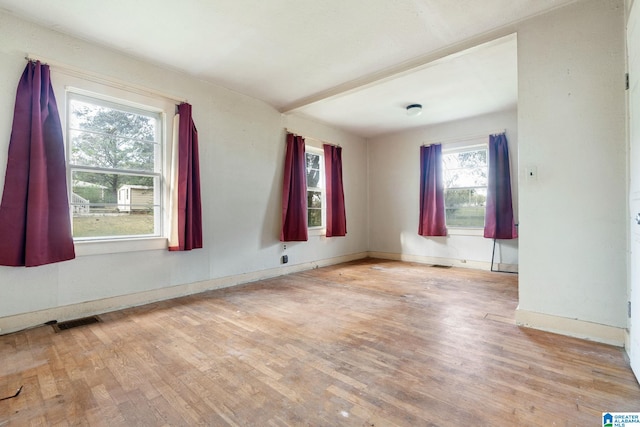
<point x="322" y="230"/>
<point x="63" y="81"/>
<point x="465" y="231"/>
<point x="100" y="247"/>
<point x="156" y="174"/>
<point x="460" y="147"/>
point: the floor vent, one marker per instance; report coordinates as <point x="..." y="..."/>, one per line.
<point x="69" y="324"/>
<point x="441" y="266"/>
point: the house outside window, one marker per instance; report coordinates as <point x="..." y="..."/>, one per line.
<point x="315" y="188"/>
<point x="465" y="181"/>
<point x="115" y="167"/>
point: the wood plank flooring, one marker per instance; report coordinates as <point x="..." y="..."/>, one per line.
<point x="368" y="343"/>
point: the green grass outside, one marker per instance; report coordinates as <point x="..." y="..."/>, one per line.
<point x="117" y="225"/>
<point x="472" y="216"/>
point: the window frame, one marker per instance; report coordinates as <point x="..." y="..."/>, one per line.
<point x="322" y="189"/>
<point x="463" y="147"/>
<point x="64" y="81"/>
<point x="72" y="95"/>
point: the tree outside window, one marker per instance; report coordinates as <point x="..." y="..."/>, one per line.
<point x="114" y="162"/>
<point x="315" y="188"/>
<point x="465" y="182"/>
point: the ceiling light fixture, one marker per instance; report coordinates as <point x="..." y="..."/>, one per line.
<point x="414" y="110"/>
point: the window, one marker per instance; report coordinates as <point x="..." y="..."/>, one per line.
<point x="315" y="188"/>
<point x="115" y="167"/>
<point x="465" y="186"/>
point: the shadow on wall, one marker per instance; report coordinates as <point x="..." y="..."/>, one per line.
<point x="459" y="250"/>
<point x="272" y="218"/>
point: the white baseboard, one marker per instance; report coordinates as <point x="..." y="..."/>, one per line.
<point x="507" y="268"/>
<point x="627" y="342"/>
<point x="22" y="321"/>
<point x="571" y="327"/>
<point x="451" y="262"/>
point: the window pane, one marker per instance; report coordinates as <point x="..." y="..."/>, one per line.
<point x="314" y="217"/>
<point x="115" y="159"/>
<point x="466" y="169"/>
<point x="313" y="170"/>
<point x="100" y="187"/>
<point x="85" y="115"/>
<point x="314" y="165"/>
<point x="137" y="222"/>
<point x="109" y="138"/>
<point x="314" y="199"/>
<point x="465" y="181"/>
<point x="314" y="208"/>
<point x="461" y="197"/>
<point x="465" y="207"/>
<point x="105" y="204"/>
<point x="88" y="149"/>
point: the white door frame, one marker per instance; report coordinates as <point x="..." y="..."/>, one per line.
<point x="633" y="117"/>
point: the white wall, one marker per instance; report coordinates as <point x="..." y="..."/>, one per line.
<point x="355" y="191"/>
<point x="241" y="156"/>
<point x="570" y="126"/>
<point x="394" y="195"/>
<point x="571" y="119"/>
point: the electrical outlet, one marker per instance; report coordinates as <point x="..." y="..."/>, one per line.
<point x="284" y="247"/>
<point x="531" y="173"/>
<point x="285" y="259"/>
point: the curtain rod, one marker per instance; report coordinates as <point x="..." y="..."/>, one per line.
<point x="102" y="79"/>
<point x="310" y="137"/>
<point x="465" y="138"/>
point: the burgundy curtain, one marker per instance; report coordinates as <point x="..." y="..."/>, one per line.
<point x="499" y="222"/>
<point x="189" y="207"/>
<point x="336" y="214"/>
<point x="432" y="217"/>
<point x="35" y="227"/>
<point x="294" y="192"/>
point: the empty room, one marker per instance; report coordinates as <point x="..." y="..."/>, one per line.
<point x="296" y="213"/>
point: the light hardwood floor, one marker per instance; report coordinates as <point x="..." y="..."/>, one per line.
<point x="368" y="343"/>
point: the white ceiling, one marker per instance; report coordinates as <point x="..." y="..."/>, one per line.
<point x="476" y="81"/>
<point x="355" y="64"/>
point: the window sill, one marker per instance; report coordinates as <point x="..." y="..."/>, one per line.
<point x="101" y="247"/>
<point x="320" y="231"/>
<point x="461" y="231"/>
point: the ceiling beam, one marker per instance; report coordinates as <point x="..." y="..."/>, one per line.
<point x="399" y="70"/>
<point x="411" y="65"/>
